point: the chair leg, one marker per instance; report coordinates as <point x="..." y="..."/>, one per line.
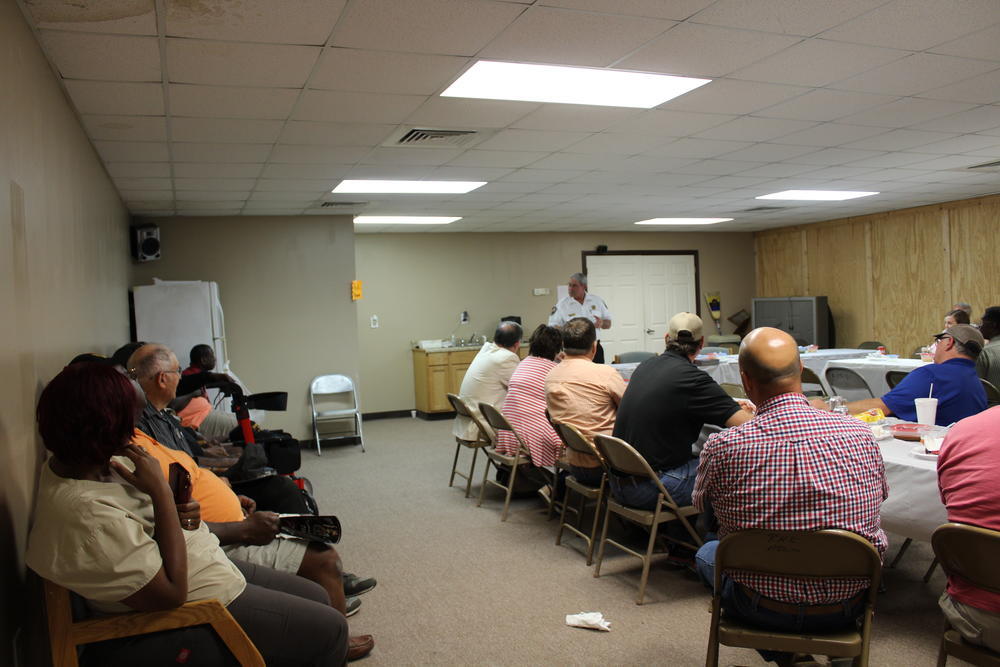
<point x="562" y="516"/>
<point x="712" y="657"/>
<point x="942" y="658"/>
<point x="472" y="471"/>
<point x="902" y="550"/>
<point x="593" y="530"/>
<point x="482" y="489"/>
<point x="316" y="435"/>
<point x="930" y="570"/>
<point x="454" y="464"/>
<point x="361" y="438"/>
<point x="647" y="560"/>
<point x="552" y="496"/>
<point x="510" y="490"/>
<point x="604" y="540"/>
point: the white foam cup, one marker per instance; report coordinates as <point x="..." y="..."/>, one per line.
<point x="926" y="410"/>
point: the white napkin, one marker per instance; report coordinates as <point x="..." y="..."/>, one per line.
<point x="932" y="444"/>
<point x="593" y="620"/>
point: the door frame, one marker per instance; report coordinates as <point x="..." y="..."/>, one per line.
<point x="694" y="253"/>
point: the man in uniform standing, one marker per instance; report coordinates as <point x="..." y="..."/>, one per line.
<point x="580" y="303"/>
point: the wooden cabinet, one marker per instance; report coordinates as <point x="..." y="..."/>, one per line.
<point x="440" y="372"/>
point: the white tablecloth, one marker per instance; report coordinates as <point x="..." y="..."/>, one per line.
<point x="873" y="371"/>
<point x="914" y="507"/>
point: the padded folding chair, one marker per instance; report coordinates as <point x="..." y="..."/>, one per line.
<point x="495" y="419"/>
<point x="969" y="552"/>
<point x="483" y="439"/>
<point x="824" y="554"/>
<point x="892" y="378"/>
<point x="574" y="440"/>
<point x="66" y="634"/>
<point x="992" y="393"/>
<point x="809" y="377"/>
<point x="847" y="383"/>
<point x="734" y="390"/>
<point x="623" y="460"/>
<point x="324" y="386"/>
<point x="634" y="357"/>
<point x="870" y="345"/>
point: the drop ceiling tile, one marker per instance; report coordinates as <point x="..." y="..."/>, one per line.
<point x="307" y="171"/>
<point x="216" y="170"/>
<point x="208" y="195"/>
<point x="677" y="10"/>
<point x="349" y="107"/>
<point x="132" y="151"/>
<point x="974" y="120"/>
<point x="697" y="148"/>
<point x="450" y="27"/>
<point x="947" y="162"/>
<point x="982" y="89"/>
<point x="899" y="140"/>
<point x="403" y="156"/>
<point x="830" y="134"/>
<point x="146" y="206"/>
<point x="126" y="128"/>
<point x="916" y="25"/>
<point x="666" y="123"/>
<point x="216" y="184"/>
<point x="982" y="45"/>
<point x="452" y="173"/>
<point x="138" y="169"/>
<point x="541" y="175"/>
<point x="205" y="212"/>
<point x="334" y="134"/>
<point x="916" y="74"/>
<point x="705" y="51"/>
<point x="161" y="196"/>
<point x="720" y="167"/>
<point x="818" y="62"/>
<point x="825" y="105"/>
<point x="116" y="98"/>
<point x="390" y="172"/>
<point x="733" y="96"/>
<point x="612" y="143"/>
<point x="229" y="130"/>
<point x="765" y="152"/>
<point x="282" y="196"/>
<point x="239" y="64"/>
<point x="904" y="112"/>
<point x="260" y="207"/>
<point x="887" y="160"/>
<point x="832" y="157"/>
<point x="576" y="161"/>
<point x="225" y="102"/>
<point x="213" y="152"/>
<point x="227" y="202"/>
<point x="750" y="128"/>
<point x="574" y="117"/>
<point x="729" y="182"/>
<point x="527" y="140"/>
<point x="793" y="17"/>
<point x="271" y="211"/>
<point x="317" y="186"/>
<point x="496" y="187"/>
<point x="136" y="17"/>
<point x="80" y="55"/>
<point x="297" y="154"/>
<point x="595" y="40"/>
<point x="835" y="173"/>
<point x="310" y="22"/>
<point x="485" y="158"/>
<point x="452" y="112"/>
<point x="778" y="170"/>
<point x="130" y="183"/>
<point x="385" y="72"/>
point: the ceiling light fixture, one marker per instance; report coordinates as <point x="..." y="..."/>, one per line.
<point x="403" y="220"/>
<point x="493" y="80"/>
<point x="817" y="195"/>
<point x="407" y="187"/>
<point x="683" y="221"/>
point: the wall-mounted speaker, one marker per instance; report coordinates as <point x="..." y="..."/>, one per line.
<point x="145" y="243"/>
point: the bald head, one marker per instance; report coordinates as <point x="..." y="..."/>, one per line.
<point x="157" y="371"/>
<point x="770" y="364"/>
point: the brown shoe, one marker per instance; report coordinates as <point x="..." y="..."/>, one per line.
<point x="360" y="646"/>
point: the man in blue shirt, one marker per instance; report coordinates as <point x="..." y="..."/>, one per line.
<point x="957" y="387"/>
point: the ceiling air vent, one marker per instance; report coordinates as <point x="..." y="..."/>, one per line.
<point x="988" y="166"/>
<point x="429" y="137"/>
<point x="758" y="209"/>
<point x="343" y="204"/>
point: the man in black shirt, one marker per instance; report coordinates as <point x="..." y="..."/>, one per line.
<point x="667" y="402"/>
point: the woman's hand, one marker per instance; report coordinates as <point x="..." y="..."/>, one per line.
<point x="189" y="514"/>
<point x="147" y="477"/>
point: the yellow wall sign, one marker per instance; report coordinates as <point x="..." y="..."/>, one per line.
<point x="355" y="290"/>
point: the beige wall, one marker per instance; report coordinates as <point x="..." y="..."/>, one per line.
<point x="889" y="277"/>
<point x="418" y="284"/>
<point x="63" y="278"/>
<point x="284" y="283"/>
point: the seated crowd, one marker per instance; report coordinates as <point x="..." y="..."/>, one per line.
<point x="779" y="462"/>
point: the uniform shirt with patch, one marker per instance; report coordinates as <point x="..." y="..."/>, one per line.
<point x="567" y="308"/>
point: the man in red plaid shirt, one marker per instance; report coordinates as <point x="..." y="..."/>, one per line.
<point x="791" y="467"/>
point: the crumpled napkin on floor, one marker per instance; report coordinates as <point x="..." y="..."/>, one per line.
<point x="592" y="620"/>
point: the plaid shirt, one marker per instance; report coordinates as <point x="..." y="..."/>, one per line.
<point x="793" y="467"/>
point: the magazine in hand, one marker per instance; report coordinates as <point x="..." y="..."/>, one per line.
<point x="324" y="529"/>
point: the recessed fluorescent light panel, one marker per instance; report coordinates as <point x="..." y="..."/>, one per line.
<point x="493" y="80"/>
<point x="817" y="195"/>
<point x="408" y="187"/>
<point x="683" y="221"/>
<point x="402" y="220"/>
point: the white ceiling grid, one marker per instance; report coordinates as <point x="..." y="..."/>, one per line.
<point x="260" y="107"/>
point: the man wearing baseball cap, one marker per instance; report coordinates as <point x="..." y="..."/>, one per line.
<point x="666" y="403"/>
<point x="953" y="375"/>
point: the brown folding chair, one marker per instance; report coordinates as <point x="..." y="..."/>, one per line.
<point x="495" y="419"/>
<point x="969" y="552"/>
<point x="623" y="460"/>
<point x="823" y="554"/>
<point x="809" y="377"/>
<point x="870" y="345"/>
<point x="66" y="634"/>
<point x="460" y="406"/>
<point x="734" y="390"/>
<point x="576" y="441"/>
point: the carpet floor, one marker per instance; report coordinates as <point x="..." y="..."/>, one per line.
<point x="458" y="587"/>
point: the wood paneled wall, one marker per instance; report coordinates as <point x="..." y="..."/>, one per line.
<point x="891" y="276"/>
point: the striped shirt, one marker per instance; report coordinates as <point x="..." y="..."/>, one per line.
<point x="793" y="467"/>
<point x="524" y="408"/>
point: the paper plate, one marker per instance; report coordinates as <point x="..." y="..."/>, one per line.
<point x="911" y="432"/>
<point x="921" y="453"/>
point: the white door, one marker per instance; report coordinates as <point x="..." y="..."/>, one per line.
<point x="642" y="292"/>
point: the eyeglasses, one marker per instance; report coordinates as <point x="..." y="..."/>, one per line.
<point x="942" y="336"/>
<point x="178" y="371"/>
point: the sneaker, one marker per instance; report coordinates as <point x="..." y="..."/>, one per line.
<point x="355" y="585"/>
<point x="353" y="605"/>
<point x="681" y="557"/>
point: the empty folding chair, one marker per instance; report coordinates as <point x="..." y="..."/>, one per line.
<point x="328" y="387"/>
<point x="847" y="383"/>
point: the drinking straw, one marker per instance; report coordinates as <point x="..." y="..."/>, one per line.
<point x="931" y="393"/>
